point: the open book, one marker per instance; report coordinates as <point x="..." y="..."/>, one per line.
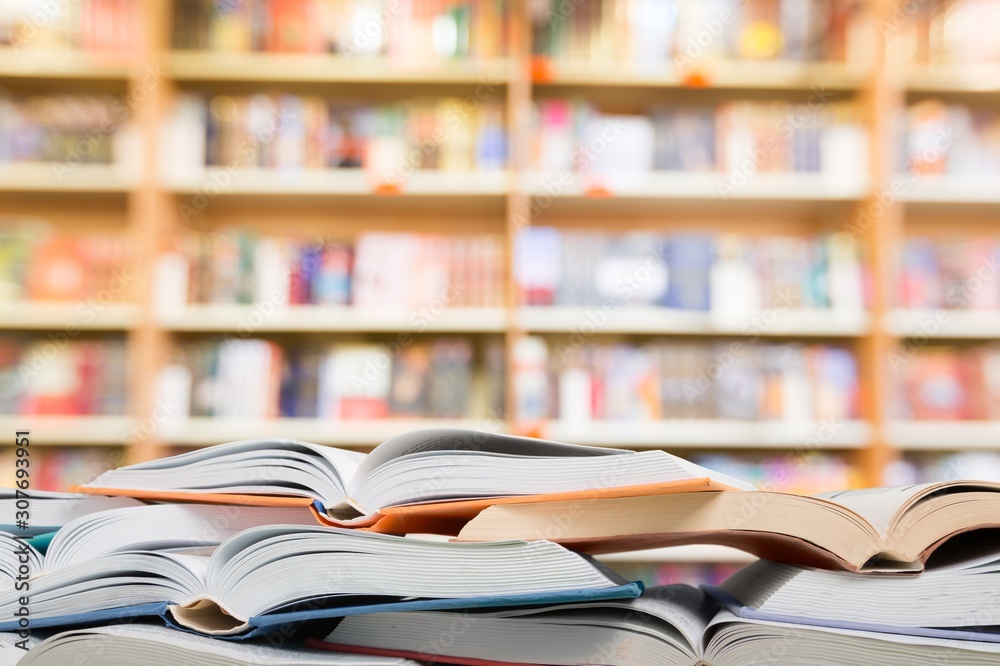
<point x="49" y="510"/>
<point x="956" y="600"/>
<point x="878" y="529"/>
<point x="158" y="646"/>
<point x="266" y="576"/>
<point x="674" y="625"/>
<point x="350" y="489"/>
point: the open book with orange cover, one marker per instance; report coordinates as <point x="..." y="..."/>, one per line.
<point x="424" y="481"/>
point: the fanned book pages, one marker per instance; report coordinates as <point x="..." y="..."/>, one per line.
<point x="872" y="530"/>
<point x="266" y="576"/>
<point x="957" y="600"/>
<point x="673" y="625"/>
<point x="134" y="644"/>
<point x="51" y="510"/>
<point x="350" y="489"/>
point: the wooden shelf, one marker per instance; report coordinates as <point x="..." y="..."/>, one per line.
<point x="665" y="321"/>
<point x="962" y="79"/>
<point x="705" y="186"/>
<point x="944" y="324"/>
<point x="34" y="64"/>
<point x="330" y="319"/>
<point x="308" y="68"/>
<point x="695" y="554"/>
<point x="70" y="430"/>
<point x="951" y="190"/>
<point x="711" y="434"/>
<point x="44" y="177"/>
<point x="944" y="435"/>
<point x="200" y="431"/>
<point x="39" y="316"/>
<point x="339" y="182"/>
<point x="732" y="75"/>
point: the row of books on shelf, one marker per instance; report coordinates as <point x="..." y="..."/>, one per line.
<point x="399" y="272"/>
<point x="577" y="381"/>
<point x="951" y="139"/>
<point x="947" y="32"/>
<point x="106" y="28"/>
<point x="408" y="32"/>
<point x="948" y="383"/>
<point x="434" y="378"/>
<point x="731" y="380"/>
<point x="742" y="137"/>
<point x="731" y="275"/>
<point x="40" y="263"/>
<point x="461" y="547"/>
<point x="390" y="139"/>
<point x="686" y="33"/>
<point x="60" y="375"/>
<point x="65" y="129"/>
<point x="950" y="272"/>
<point x="734" y="277"/>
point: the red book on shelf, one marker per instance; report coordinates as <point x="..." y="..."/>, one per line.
<point x="294" y="27"/>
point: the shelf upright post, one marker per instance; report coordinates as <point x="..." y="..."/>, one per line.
<point x="878" y="225"/>
<point x="149" y="218"/>
<point x="518" y="201"/>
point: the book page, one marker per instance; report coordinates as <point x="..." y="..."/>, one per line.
<point x="877" y="505"/>
<point x="471" y="442"/>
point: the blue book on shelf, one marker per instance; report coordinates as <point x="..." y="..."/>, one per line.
<point x="689" y="263"/>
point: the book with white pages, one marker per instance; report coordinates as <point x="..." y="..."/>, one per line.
<point x="47" y="511"/>
<point x="416" y="470"/>
<point x="267" y="576"/>
<point x="673" y="625"/>
<point x="959" y="600"/>
<point x="149" y="645"/>
<point x="874" y="530"/>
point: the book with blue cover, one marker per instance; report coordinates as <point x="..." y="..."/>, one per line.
<point x="264" y="577"/>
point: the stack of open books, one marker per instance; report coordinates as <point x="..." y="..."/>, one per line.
<point x="463" y="547"/>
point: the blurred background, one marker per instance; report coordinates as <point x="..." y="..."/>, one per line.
<point x="760" y="234"/>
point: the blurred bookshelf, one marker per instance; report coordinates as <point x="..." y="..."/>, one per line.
<point x="480" y="135"/>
